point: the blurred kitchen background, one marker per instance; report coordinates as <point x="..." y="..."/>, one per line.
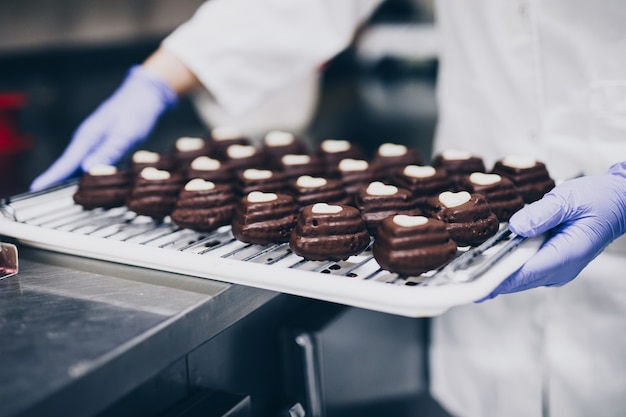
<point x="59" y="59"/>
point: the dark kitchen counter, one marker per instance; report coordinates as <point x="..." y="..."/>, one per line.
<point x="77" y="334"/>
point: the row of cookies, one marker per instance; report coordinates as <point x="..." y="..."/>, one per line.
<point x="266" y="206"/>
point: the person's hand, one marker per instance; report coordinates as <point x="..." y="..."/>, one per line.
<point x="122" y="121"/>
<point x="581" y="216"/>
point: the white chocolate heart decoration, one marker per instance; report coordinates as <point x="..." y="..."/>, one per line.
<point x="409" y="221"/>
<point x="456" y="154"/>
<point x="349" y="164"/>
<point x="151" y="173"/>
<point x="378" y="188"/>
<point x="257" y="174"/>
<point x="188" y="144"/>
<point x="452" y="199"/>
<point x="389" y="150"/>
<point x="222" y="133"/>
<point x="146" y="157"/>
<point x="417" y="171"/>
<point x="481" y="178"/>
<point x="295" y="159"/>
<point x="519" y="161"/>
<point x="198" y="184"/>
<point x="205" y="163"/>
<point x="261" y="197"/>
<point x="279" y="138"/>
<point x="306" y="181"/>
<point x="335" y="145"/>
<point x="240" y="151"/>
<point x="102" y="170"/>
<point x="324" y="208"/>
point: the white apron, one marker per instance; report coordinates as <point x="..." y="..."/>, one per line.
<point x="546" y="79"/>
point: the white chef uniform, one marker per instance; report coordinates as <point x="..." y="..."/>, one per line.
<point x="547" y="79"/>
<point x="542" y="78"/>
<point x="260" y="60"/>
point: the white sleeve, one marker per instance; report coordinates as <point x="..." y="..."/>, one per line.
<point x="244" y="50"/>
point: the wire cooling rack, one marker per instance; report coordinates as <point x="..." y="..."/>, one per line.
<point x="51" y="220"/>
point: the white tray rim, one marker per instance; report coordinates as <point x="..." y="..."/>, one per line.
<point x="410" y="301"/>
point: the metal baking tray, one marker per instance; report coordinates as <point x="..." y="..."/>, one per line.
<point x="51" y="220"/>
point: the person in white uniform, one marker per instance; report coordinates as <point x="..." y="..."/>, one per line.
<point x="529" y="77"/>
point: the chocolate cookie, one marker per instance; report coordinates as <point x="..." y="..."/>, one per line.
<point x="186" y="149"/>
<point x="332" y="151"/>
<point x="310" y="190"/>
<point x="278" y="143"/>
<point x="142" y="159"/>
<point x="378" y="201"/>
<point x="531" y="177"/>
<point x="468" y="217"/>
<point x="155" y="192"/>
<point x="222" y="137"/>
<point x="390" y="158"/>
<point x="423" y="181"/>
<point x="329" y="233"/>
<point x="355" y="174"/>
<point x="412" y="245"/>
<point x="103" y="186"/>
<point x="241" y="157"/>
<point x="210" y="169"/>
<point x="458" y="163"/>
<point x="296" y="165"/>
<point x="203" y="205"/>
<point x="265" y="180"/>
<point x="502" y="196"/>
<point x="264" y="218"/>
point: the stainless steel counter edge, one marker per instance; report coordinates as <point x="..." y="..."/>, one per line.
<point x="76" y="328"/>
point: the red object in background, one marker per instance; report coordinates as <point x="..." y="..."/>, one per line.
<point x="11" y="141"/>
<point x="13" y="144"/>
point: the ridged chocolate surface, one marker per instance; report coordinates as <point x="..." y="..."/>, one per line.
<point x="274" y="153"/>
<point x="104" y="191"/>
<point x="265" y="222"/>
<point x="329" y="236"/>
<point x="413" y="250"/>
<point x="155" y="198"/>
<point x="184" y="158"/>
<point x="424" y="187"/>
<point x="315" y="168"/>
<point x="277" y="183"/>
<point x="469" y="224"/>
<point x="219" y="147"/>
<point x="385" y="167"/>
<point x="256" y="160"/>
<point x="354" y="181"/>
<point x="204" y="210"/>
<point x="331" y="160"/>
<point x="532" y="183"/>
<point x="457" y="168"/>
<point x="503" y="197"/>
<point x="375" y="208"/>
<point x="166" y="162"/>
<point x="331" y="193"/>
<point x="223" y="175"/>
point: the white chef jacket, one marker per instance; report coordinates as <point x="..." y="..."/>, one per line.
<point x="545" y="78"/>
<point x="260" y="60"/>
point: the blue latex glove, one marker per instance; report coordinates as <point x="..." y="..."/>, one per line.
<point x="122" y="121"/>
<point x="582" y="216"/>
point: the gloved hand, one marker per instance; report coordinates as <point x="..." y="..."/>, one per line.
<point x="582" y="216"/>
<point x="123" y="120"/>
